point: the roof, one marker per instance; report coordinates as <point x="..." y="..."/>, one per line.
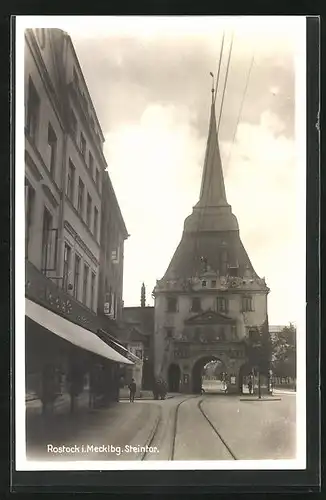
<point x="186" y="261"/>
<point x="212" y="230"/>
<point x="143" y="317"/>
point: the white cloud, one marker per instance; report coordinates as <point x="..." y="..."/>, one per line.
<point x="260" y="182"/>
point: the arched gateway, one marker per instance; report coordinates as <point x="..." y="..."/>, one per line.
<point x="216" y="377"/>
<point x="210" y="297"/>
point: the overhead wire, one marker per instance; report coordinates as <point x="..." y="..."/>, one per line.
<point x="225" y="82"/>
<point x="241" y="109"/>
<point x="219" y="67"/>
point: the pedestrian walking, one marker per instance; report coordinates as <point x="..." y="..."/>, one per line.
<point x="132" y="389"/>
<point x="250" y="386"/>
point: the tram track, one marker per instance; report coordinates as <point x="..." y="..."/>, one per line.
<point x="175" y="425"/>
<point x="208" y="420"/>
<point x="158" y="422"/>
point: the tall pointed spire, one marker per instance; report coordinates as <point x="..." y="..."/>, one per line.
<point x="212" y="193"/>
<point x="143" y="296"/>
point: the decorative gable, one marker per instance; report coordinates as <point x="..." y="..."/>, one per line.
<point x="210" y="318"/>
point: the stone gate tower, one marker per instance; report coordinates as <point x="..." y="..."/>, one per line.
<point x="210" y="303"/>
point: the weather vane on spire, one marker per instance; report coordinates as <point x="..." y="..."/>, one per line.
<point x="212" y="86"/>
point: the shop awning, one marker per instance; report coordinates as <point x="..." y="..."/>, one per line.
<point x="72" y="333"/>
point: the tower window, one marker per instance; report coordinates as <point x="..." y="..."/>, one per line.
<point x="247" y="304"/>
<point x="172" y="304"/>
<point x="196" y="304"/>
<point x="222" y="304"/>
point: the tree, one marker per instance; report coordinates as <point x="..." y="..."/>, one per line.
<point x="284" y="352"/>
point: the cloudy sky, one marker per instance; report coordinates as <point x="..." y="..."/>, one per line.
<point x="150" y="84"/>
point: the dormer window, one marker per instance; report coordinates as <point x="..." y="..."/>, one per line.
<point x="196" y="304"/>
<point x="171" y="304"/>
<point x="233" y="271"/>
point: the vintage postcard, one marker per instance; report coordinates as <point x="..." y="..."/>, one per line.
<point x="160" y="251"/>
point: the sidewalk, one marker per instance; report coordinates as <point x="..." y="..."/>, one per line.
<point x="144" y="395"/>
<point x="113" y="427"/>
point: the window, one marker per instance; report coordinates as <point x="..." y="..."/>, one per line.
<point x="253" y="335"/>
<point x="80" y="206"/>
<point x="85" y="283"/>
<point x="93" y="291"/>
<point x="92" y="122"/>
<point x="204" y="283"/>
<point x="71" y="181"/>
<point x="90" y="161"/>
<point x="233" y="272"/>
<point x="52" y="142"/>
<point x="247" y="304"/>
<point x="222" y="304"/>
<point x="73" y="124"/>
<point x="213" y="283"/>
<point x="169" y="333"/>
<point x="76" y="277"/>
<point x="95" y="222"/>
<point x="66" y="265"/>
<point x="46" y="239"/>
<point x="196" y="305"/>
<point x="82" y="145"/>
<point x="97" y="179"/>
<point x="88" y="210"/>
<point x="33" y="111"/>
<point x="172" y="304"/>
<point x="29" y="206"/>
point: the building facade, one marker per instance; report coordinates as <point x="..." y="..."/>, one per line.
<point x="210" y="304"/>
<point x="139" y="325"/>
<point x="64" y="172"/>
<point x="113" y="235"/>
